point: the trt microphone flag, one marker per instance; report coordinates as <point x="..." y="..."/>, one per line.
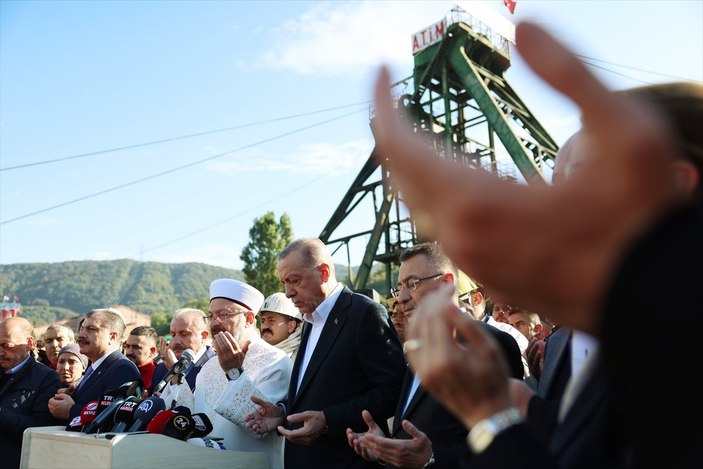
<point x="510" y="4"/>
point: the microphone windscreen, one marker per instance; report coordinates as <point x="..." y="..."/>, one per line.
<point x="124" y="417"/>
<point x="181" y="409"/>
<point x="87" y="415"/>
<point x="203" y="425"/>
<point x="180" y="427"/>
<point x="157" y="423"/>
<point x="146" y="411"/>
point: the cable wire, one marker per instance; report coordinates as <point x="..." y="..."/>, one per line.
<point x="180" y="137"/>
<point x="634" y="68"/>
<point x="178" y="168"/>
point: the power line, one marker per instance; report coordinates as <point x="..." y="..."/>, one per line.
<point x="178" y="168"/>
<point x="180" y="137"/>
<point x="633" y="68"/>
<point x="616" y="73"/>
<point x="209" y="227"/>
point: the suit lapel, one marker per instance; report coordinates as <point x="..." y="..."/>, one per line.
<point x="416" y="399"/>
<point x="404" y="389"/>
<point x="98" y="373"/>
<point x="557" y="346"/>
<point x="591" y="397"/>
<point x="307" y="327"/>
<point x="334" y="324"/>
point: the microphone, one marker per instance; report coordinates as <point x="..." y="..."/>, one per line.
<point x="203" y="425"/>
<point x="87" y="415"/>
<point x="186" y="357"/>
<point x="124" y="417"/>
<point x="129" y="391"/>
<point x="179" y="426"/>
<point x="145" y="413"/>
<point x="159" y="421"/>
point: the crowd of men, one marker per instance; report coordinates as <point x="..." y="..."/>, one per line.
<point x="313" y="380"/>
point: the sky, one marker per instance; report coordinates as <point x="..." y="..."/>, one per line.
<point x="159" y="130"/>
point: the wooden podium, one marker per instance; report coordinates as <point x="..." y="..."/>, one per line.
<point x="52" y="448"/>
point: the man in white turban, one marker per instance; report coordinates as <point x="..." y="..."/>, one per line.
<point x="244" y="365"/>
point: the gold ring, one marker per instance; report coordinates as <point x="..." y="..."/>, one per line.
<point x="412" y="345"/>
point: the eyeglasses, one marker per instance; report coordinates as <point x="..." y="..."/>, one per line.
<point x="411" y="284"/>
<point x="223" y="316"/>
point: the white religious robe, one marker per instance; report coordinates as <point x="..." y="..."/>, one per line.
<point x="267" y="371"/>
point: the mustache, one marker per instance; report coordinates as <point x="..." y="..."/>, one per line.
<point x="266" y="330"/>
<point x="84" y="341"/>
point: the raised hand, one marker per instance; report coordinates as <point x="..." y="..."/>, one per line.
<point x="265" y="418"/>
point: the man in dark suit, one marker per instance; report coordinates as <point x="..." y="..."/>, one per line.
<point x="350" y="359"/>
<point x="424" y="432"/>
<point x="25" y="388"/>
<point x="189" y="330"/>
<point x="100" y="339"/>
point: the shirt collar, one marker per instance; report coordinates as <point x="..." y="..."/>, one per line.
<point x="17" y="368"/>
<point x="324" y="308"/>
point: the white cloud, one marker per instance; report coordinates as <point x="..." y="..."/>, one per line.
<point x="310" y="158"/>
<point x="349" y="37"/>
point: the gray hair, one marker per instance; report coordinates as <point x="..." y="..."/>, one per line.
<point x="70" y="334"/>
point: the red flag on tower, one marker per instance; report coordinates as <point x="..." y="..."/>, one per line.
<point x="510" y="4"/>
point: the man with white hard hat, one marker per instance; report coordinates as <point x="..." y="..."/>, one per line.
<point x="280" y="323"/>
<point x="244" y="365"/>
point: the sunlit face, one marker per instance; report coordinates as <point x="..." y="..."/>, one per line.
<point x="14" y="348"/>
<point x="140" y="349"/>
<point x="303" y="285"/>
<point x="276" y="327"/>
<point x="69" y="368"/>
<point x="417" y="267"/>
<point x="500" y="312"/>
<point x="94" y="338"/>
<point x="399" y="320"/>
<point x="186" y="333"/>
<point x="54" y="340"/>
<point x="226" y="315"/>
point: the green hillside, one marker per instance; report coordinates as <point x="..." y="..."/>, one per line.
<point x="64" y="289"/>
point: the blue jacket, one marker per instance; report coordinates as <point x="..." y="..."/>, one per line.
<point x="111" y="374"/>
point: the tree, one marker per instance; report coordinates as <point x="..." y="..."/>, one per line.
<point x="266" y="239"/>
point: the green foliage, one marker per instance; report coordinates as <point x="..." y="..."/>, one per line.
<point x="161" y="322"/>
<point x="66" y="289"/>
<point x="266" y="239"/>
<point x="44" y="315"/>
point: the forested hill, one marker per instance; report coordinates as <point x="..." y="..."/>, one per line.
<point x="71" y="288"/>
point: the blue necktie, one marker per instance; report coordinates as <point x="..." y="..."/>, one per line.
<point x="87" y="374"/>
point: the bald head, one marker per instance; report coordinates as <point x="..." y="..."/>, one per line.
<point x="16" y="342"/>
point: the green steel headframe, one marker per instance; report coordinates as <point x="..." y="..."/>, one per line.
<point x="457" y="94"/>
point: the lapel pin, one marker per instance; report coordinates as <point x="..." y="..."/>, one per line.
<point x="336" y="321"/>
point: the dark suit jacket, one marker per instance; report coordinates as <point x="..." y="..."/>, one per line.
<point x="111" y="374"/>
<point x="357" y="365"/>
<point x="24" y="398"/>
<point x="446" y="432"/>
<point x="161" y="370"/>
<point x="622" y="407"/>
<point x="543" y="409"/>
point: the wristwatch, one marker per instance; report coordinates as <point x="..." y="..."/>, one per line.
<point x="430" y="461"/>
<point x="484" y="431"/>
<point x="234" y="373"/>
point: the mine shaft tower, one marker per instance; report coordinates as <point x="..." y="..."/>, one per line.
<point x="458" y="94"/>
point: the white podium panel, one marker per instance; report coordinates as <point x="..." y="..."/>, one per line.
<point x="52" y="448"/>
